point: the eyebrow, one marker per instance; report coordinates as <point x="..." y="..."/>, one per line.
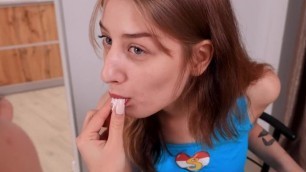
<point x="140" y="35"/>
<point x="133" y="35"/>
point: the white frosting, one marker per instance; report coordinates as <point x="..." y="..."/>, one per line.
<point x="115" y="102"/>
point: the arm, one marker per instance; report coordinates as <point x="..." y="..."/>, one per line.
<point x="264" y="146"/>
<point x="262" y="93"/>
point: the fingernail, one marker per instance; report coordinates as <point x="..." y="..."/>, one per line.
<point x="120" y="106"/>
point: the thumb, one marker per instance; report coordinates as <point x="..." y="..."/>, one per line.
<point x="116" y="125"/>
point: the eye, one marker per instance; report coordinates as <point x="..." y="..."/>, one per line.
<point x="136" y="50"/>
<point x="105" y="39"/>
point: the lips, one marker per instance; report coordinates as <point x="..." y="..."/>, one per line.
<point x="116" y="96"/>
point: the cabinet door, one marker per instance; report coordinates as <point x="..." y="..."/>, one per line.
<point x="27" y="24"/>
<point x="30" y="64"/>
<point x="23" y="26"/>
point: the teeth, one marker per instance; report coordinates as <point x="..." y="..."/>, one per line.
<point x="115" y="101"/>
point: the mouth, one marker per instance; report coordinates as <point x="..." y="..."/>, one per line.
<point x="115" y="96"/>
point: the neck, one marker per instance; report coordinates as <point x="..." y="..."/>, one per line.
<point x="174" y="123"/>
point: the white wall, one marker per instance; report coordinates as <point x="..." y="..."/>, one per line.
<point x="262" y="24"/>
<point x="261" y="21"/>
<point x="81" y="65"/>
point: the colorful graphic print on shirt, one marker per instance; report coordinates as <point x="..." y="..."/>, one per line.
<point x="194" y="163"/>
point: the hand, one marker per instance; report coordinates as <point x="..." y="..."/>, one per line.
<point x="104" y="153"/>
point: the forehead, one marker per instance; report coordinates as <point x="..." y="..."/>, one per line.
<point x="123" y="15"/>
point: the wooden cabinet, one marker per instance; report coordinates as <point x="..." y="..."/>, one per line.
<point x="30" y="64"/>
<point x="27" y="24"/>
<point x="29" y="49"/>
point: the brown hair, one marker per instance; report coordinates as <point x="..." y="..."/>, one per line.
<point x="215" y="91"/>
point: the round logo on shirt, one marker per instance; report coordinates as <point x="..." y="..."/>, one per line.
<point x="194" y="163"/>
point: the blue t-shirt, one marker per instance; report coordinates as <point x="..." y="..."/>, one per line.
<point x="226" y="154"/>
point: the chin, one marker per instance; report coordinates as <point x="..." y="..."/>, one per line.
<point x="138" y="113"/>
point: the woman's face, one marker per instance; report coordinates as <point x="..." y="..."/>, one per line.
<point x="135" y="65"/>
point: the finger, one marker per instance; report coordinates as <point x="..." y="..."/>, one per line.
<point x="117" y="124"/>
<point x="88" y="117"/>
<point x="96" y="122"/>
<point x="103" y="99"/>
<point x="105" y="129"/>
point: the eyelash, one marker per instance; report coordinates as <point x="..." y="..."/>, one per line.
<point x="135" y="48"/>
<point x="103" y="37"/>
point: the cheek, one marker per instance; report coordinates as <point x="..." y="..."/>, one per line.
<point x="160" y="82"/>
<point x="154" y="91"/>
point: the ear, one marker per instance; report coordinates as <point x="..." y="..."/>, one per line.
<point x="202" y="55"/>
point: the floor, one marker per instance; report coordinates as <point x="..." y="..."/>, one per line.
<point x="44" y="116"/>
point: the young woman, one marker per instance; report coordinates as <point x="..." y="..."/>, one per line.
<point x="187" y="93"/>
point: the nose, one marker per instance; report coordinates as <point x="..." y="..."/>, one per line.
<point x="113" y="71"/>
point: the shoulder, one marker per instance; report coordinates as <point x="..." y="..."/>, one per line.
<point x="262" y="92"/>
<point x="6" y="109"/>
<point x="13" y="138"/>
<point x="11" y="131"/>
<point x="17" y="148"/>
